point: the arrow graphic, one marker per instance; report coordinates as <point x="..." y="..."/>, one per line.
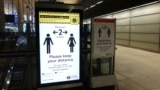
<point x="65" y="32"/>
<point x="54" y="32"/>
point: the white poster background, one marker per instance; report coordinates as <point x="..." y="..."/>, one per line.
<point x="103" y="46"/>
<point x="59" y="71"/>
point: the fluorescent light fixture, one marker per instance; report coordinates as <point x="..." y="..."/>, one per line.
<point x="95" y="4"/>
<point x="86" y="9"/>
<point x="12" y="67"/>
<point x="99" y="2"/>
<point x="30" y="17"/>
<point x="8" y="71"/>
<point x="92" y="6"/>
<point x="8" y="82"/>
<point x="25" y="17"/>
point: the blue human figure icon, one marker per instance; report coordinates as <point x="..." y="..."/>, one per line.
<point x="71" y="42"/>
<point x="47" y="41"/>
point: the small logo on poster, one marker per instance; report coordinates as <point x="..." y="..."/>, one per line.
<point x="74" y="20"/>
<point x="68" y="77"/>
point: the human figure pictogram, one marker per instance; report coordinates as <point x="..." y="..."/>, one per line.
<point x="71" y="42"/>
<point x="99" y="32"/>
<point x="48" y="40"/>
<point x="109" y="32"/>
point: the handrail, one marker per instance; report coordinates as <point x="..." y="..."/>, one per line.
<point x="4" y="74"/>
<point x="2" y="79"/>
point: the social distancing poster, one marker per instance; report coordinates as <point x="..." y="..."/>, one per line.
<point x="59" y="39"/>
<point x="103" y="45"/>
<point x="103" y="37"/>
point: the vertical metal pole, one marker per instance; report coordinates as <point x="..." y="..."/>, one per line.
<point x="12" y="6"/>
<point x="27" y="10"/>
<point x="29" y="74"/>
<point x="8" y="8"/>
<point x="28" y="29"/>
<point x="28" y="48"/>
<point x="130" y="28"/>
<point x="112" y="59"/>
<point x="85" y="53"/>
<point x="2" y="16"/>
<point x="20" y="16"/>
<point x="159" y="37"/>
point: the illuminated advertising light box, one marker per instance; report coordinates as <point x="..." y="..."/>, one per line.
<point x="58" y="46"/>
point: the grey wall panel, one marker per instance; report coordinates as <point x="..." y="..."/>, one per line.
<point x="122" y="36"/>
<point x="149" y="19"/>
<point x="125" y="21"/>
<point x="122" y="42"/>
<point x="122" y="28"/>
<point x="152" y="28"/>
<point x="150" y="9"/>
<point x="146" y="46"/>
<point x="139" y="27"/>
<point x="123" y="14"/>
<point x="150" y="38"/>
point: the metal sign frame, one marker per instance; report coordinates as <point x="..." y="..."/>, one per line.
<point x="52" y="7"/>
<point x="103" y="52"/>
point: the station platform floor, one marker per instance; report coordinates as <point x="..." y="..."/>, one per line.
<point x="137" y="69"/>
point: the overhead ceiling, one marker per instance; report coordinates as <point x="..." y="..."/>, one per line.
<point x="107" y="6"/>
<point x="11" y="5"/>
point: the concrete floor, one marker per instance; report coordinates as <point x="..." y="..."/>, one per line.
<point x="137" y="69"/>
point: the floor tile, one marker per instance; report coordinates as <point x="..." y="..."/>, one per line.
<point x="128" y="85"/>
<point x="120" y="77"/>
<point x="145" y="82"/>
<point x="156" y="89"/>
<point x="137" y="69"/>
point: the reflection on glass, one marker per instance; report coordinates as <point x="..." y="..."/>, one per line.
<point x="101" y="66"/>
<point x="13" y="39"/>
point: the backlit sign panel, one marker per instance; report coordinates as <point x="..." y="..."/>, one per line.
<point x="59" y="44"/>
